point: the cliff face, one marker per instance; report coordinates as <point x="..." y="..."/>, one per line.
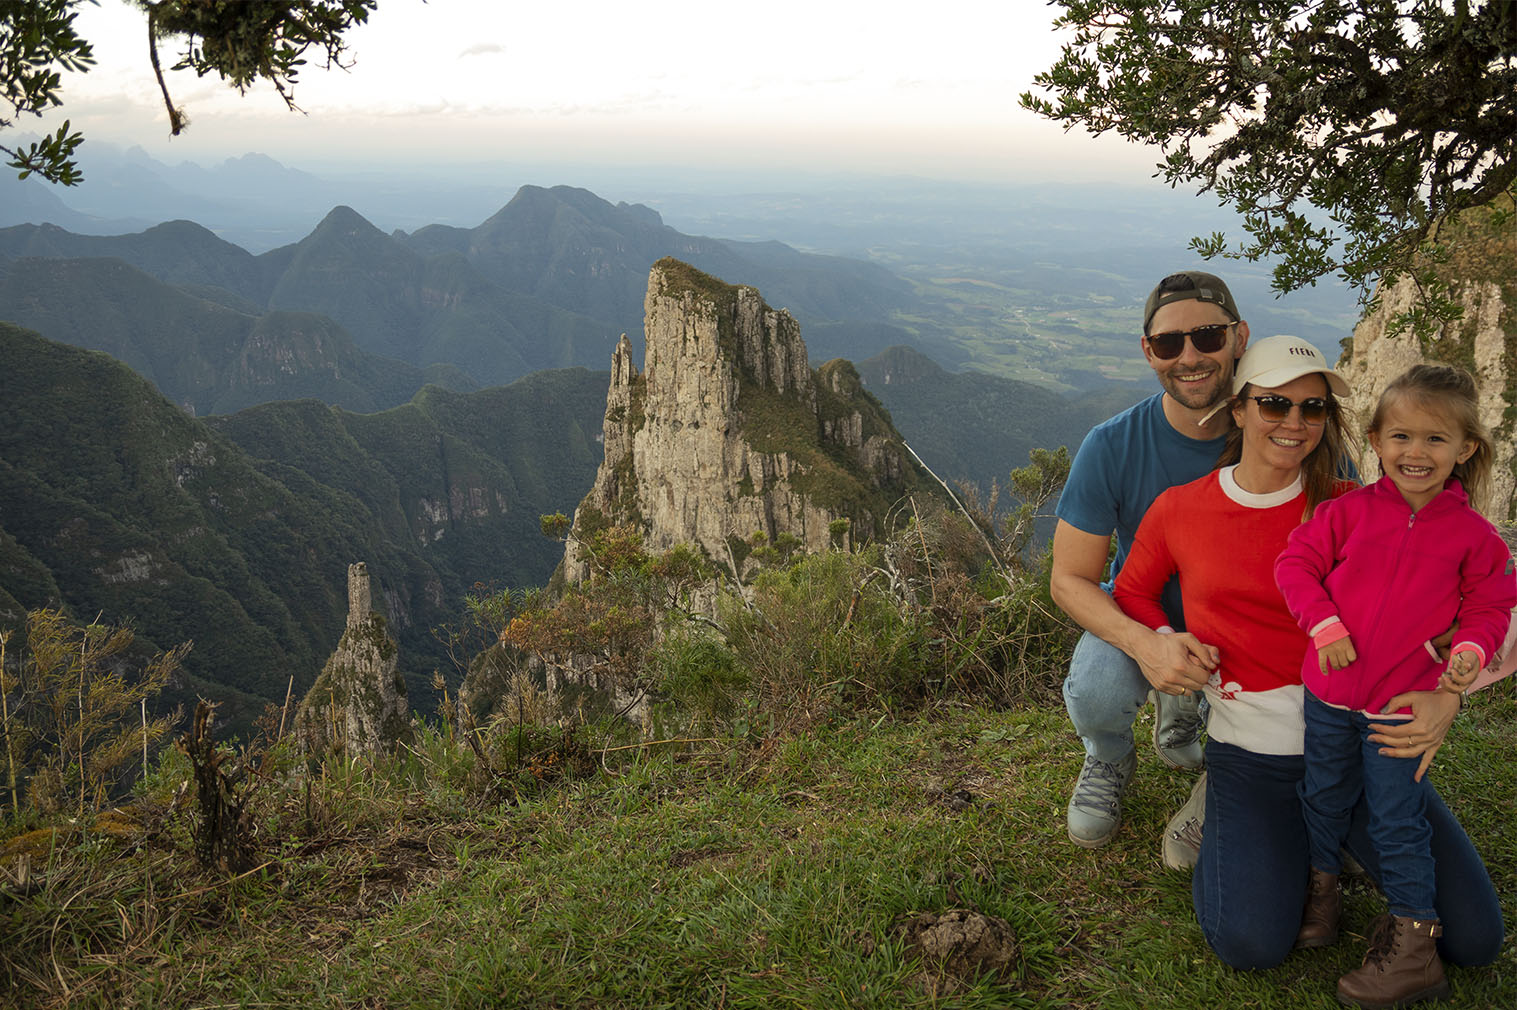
<point x="727" y="431"/>
<point x="1482" y="274"/>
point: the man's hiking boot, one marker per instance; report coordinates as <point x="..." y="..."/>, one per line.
<point x="1401" y="967"/>
<point x="1319" y="919"/>
<point x="1182" y="835"/>
<point x="1177" y="728"/>
<point x="1095" y="808"/>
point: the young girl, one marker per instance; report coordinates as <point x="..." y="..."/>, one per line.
<point x="1373" y="577"/>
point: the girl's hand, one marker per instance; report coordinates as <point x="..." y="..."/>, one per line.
<point x="1432" y="714"/>
<point x="1462" y="670"/>
<point x="1336" y="655"/>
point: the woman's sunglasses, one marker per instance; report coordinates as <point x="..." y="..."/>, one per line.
<point x="1275" y="408"/>
<point x="1208" y="339"/>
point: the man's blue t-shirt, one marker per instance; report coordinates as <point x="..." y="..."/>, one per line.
<point x="1122" y="466"/>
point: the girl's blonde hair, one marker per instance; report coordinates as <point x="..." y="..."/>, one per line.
<point x="1320" y="471"/>
<point x="1449" y="392"/>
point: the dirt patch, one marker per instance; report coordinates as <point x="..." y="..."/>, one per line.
<point x="687" y="857"/>
<point x="957" y="947"/>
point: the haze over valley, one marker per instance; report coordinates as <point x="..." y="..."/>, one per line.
<point x="459" y="330"/>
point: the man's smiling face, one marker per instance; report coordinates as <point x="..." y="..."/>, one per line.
<point x="1196" y="380"/>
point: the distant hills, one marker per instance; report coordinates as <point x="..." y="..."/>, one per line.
<point x="236" y="533"/>
<point x="549" y="281"/>
<point x="204" y="348"/>
<point x="978" y="427"/>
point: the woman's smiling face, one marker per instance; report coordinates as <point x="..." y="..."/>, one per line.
<point x="1280" y="445"/>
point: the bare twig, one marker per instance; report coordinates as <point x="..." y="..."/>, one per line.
<point x="286" y="710"/>
<point x="996" y="558"/>
<point x="177" y="119"/>
<point x="654" y="743"/>
<point x="5" y="713"/>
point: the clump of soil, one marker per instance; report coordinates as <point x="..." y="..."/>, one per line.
<point x="957" y="947"/>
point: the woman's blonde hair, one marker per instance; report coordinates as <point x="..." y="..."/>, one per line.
<point x="1451" y="393"/>
<point x="1320" y="471"/>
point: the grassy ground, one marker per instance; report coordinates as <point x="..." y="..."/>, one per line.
<point x="744" y="875"/>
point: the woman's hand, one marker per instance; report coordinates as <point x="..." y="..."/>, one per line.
<point x="1432" y="714"/>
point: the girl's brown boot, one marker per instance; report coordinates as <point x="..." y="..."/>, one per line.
<point x="1401" y="967"/>
<point x="1319" y="919"/>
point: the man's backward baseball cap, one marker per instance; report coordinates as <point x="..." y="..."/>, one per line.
<point x="1185" y="285"/>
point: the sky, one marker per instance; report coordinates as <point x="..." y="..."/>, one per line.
<point x="879" y="87"/>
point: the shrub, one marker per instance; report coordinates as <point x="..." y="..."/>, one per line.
<point x="826" y="632"/>
<point x="75" y="724"/>
<point x="693" y="669"/>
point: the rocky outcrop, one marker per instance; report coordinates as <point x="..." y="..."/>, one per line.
<point x="358" y="705"/>
<point x="727" y="431"/>
<point x="1481" y="271"/>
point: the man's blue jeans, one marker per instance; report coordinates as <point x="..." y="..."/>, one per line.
<point x="1250" y="882"/>
<point x="1341" y="767"/>
<point x="1103" y="693"/>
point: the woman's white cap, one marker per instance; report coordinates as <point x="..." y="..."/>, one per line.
<point x="1274" y="361"/>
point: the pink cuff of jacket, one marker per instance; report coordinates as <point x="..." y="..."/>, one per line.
<point x="1471" y="647"/>
<point x="1329" y="632"/>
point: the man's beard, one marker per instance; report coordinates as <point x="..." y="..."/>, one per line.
<point x="1202" y="395"/>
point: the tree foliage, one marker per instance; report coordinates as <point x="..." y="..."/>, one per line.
<point x="74" y="721"/>
<point x="37" y="42"/>
<point x="240" y="41"/>
<point x="1386" y="116"/>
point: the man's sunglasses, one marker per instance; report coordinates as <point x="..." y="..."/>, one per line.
<point x="1208" y="339"/>
<point x="1275" y="408"/>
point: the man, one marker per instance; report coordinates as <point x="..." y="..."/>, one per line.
<point x="1192" y="338"/>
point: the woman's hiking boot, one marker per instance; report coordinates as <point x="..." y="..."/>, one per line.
<point x="1401" y="967"/>
<point x="1319" y="919"/>
<point x="1182" y="835"/>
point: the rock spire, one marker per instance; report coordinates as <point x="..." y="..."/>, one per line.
<point x="358" y="704"/>
<point x="727" y="431"/>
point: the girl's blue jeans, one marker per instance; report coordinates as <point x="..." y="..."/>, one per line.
<point x="1343" y="770"/>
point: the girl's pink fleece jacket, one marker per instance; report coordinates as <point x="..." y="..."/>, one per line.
<point x="1396" y="580"/>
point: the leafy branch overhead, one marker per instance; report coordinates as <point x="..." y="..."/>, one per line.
<point x="240" y="41"/>
<point x="1344" y="132"/>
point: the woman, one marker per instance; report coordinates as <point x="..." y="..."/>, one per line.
<point x="1221" y="534"/>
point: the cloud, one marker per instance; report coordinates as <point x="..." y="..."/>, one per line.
<point x="483" y="49"/>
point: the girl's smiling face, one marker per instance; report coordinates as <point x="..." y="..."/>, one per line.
<point x="1418" y="447"/>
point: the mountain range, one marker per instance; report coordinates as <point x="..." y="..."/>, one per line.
<point x="549" y="281"/>
<point x="235" y="532"/>
<point x="345" y="398"/>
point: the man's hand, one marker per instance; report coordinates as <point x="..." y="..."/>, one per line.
<point x="1176" y="663"/>
<point x="1432" y="714"/>
<point x="1462" y="670"/>
<point x="1336" y="655"/>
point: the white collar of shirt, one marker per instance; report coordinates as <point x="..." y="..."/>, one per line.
<point x="1256" y="501"/>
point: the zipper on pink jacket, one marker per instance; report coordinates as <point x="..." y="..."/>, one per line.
<point x="1362" y="692"/>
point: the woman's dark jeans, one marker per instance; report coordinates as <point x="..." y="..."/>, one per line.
<point x="1250" y="881"/>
